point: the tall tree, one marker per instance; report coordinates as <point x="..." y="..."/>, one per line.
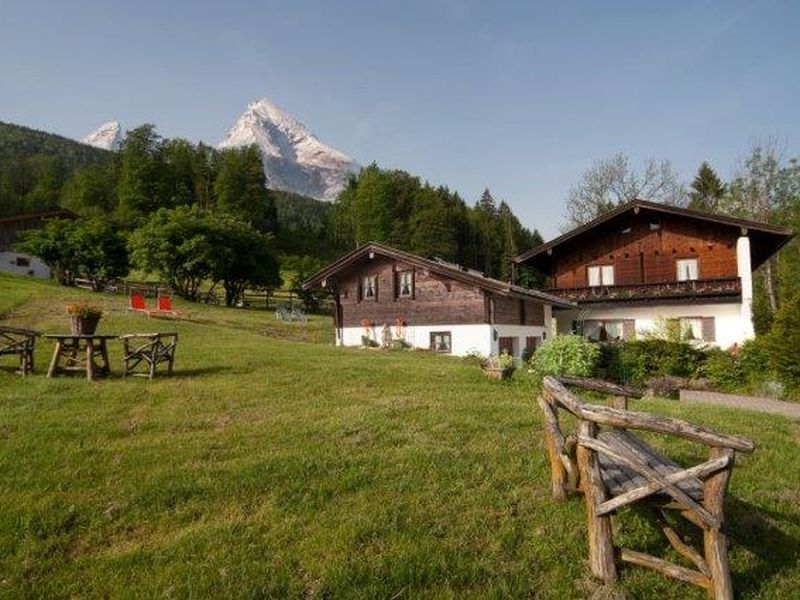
<point x="612" y="182"/>
<point x="707" y="190"/>
<point x="241" y="190"/>
<point x="764" y="190"/>
<point x="141" y="175"/>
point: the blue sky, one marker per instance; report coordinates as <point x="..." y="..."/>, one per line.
<point x="521" y="97"/>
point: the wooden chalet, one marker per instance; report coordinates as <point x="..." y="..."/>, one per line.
<point x="384" y="296"/>
<point x="643" y="264"/>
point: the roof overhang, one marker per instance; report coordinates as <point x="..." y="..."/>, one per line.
<point x="328" y="276"/>
<point x="766" y="239"/>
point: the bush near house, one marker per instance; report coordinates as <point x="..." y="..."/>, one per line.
<point x="638" y="361"/>
<point x="570" y="355"/>
<point x="783" y="343"/>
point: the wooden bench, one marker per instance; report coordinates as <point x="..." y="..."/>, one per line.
<point x="614" y="468"/>
<point x="149" y="350"/>
<point x="19" y="342"/>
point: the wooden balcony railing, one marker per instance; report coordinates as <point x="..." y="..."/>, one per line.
<point x="730" y="286"/>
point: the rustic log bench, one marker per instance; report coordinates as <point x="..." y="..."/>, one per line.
<point x="614" y="468"/>
<point x="149" y="350"/>
<point x="19" y="342"/>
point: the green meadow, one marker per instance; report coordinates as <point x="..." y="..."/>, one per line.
<point x="275" y="465"/>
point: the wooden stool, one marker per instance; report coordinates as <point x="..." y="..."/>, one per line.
<point x="19" y="342"/>
<point x="148" y="349"/>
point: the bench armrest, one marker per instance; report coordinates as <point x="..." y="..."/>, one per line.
<point x="628" y="419"/>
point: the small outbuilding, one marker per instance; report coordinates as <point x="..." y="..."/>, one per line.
<point x="384" y="296"/>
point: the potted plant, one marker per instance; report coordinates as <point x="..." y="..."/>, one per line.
<point x="83" y="318"/>
<point x="499" y="367"/>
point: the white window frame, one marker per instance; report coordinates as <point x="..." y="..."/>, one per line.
<point x="600" y="275"/>
<point x="687" y="269"/>
<point x="369" y="282"/>
<point x="400" y="277"/>
<point x="444" y="335"/>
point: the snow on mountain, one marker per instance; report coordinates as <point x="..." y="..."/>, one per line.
<point x="108" y="136"/>
<point x="294" y="159"/>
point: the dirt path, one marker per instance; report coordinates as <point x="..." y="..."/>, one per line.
<point x="777" y="407"/>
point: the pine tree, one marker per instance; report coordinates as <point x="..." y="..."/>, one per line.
<point x="707" y="190"/>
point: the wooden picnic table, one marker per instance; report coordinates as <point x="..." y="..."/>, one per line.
<point x="77" y="352"/>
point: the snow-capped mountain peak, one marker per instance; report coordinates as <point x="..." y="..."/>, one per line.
<point x="108" y="136"/>
<point x="294" y="159"/>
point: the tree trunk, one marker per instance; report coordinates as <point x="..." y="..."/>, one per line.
<point x="769" y="284"/>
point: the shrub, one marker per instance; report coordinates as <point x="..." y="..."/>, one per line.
<point x="724" y="370"/>
<point x="641" y="360"/>
<point x="754" y="360"/>
<point x="784" y="342"/>
<point x="570" y="355"/>
<point x="368" y="342"/>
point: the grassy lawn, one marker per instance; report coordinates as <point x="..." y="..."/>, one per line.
<point x="275" y="465"/>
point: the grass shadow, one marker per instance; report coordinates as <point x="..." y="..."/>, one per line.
<point x="754" y="528"/>
<point x="200" y="371"/>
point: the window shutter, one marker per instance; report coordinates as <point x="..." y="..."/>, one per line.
<point x="628" y="329"/>
<point x="413" y="284"/>
<point x="359" y="289"/>
<point x="395" y="283"/>
<point x="709" y="329"/>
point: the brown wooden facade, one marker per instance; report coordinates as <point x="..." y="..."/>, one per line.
<point x="441" y="294"/>
<point x="642" y="243"/>
<point x="435" y="299"/>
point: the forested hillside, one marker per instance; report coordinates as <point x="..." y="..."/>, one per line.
<point x="150" y="172"/>
<point x="35" y="166"/>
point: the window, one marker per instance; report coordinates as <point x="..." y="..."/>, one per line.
<point x="22" y="261"/>
<point x="405" y="284"/>
<point x="608" y="330"/>
<point x="687" y="269"/>
<point x="441" y="341"/>
<point x="601" y="275"/>
<point x="691" y="329"/>
<point x="507" y="345"/>
<point x="369" y="287"/>
<point x="696" y="328"/>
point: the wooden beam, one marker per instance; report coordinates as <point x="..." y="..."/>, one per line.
<point x="699" y="471"/>
<point x="601" y="548"/>
<point x="652" y="475"/>
<point x="665" y="567"/>
<point x="627" y="419"/>
<point x="598" y="385"/>
<point x="715" y="541"/>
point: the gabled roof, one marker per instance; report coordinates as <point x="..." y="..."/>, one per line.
<point x="370" y="249"/>
<point x="771" y="237"/>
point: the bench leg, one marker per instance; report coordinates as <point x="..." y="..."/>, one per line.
<point x="601" y="547"/>
<point x="715" y="541"/>
<point x="89" y="360"/>
<point x="54" y="362"/>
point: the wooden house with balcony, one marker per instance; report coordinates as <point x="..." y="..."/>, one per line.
<point x="645" y="265"/>
<point x="384" y="296"/>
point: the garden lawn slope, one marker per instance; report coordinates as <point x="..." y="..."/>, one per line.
<point x="272" y="464"/>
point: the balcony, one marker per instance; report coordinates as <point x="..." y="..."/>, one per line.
<point x="653" y="292"/>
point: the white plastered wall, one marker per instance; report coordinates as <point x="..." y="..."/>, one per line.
<point x="730" y="324"/>
<point x="465" y="339"/>
<point x="35" y="268"/>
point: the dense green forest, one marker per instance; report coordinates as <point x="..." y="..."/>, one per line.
<point x="35" y="166"/>
<point x="42" y="171"/>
